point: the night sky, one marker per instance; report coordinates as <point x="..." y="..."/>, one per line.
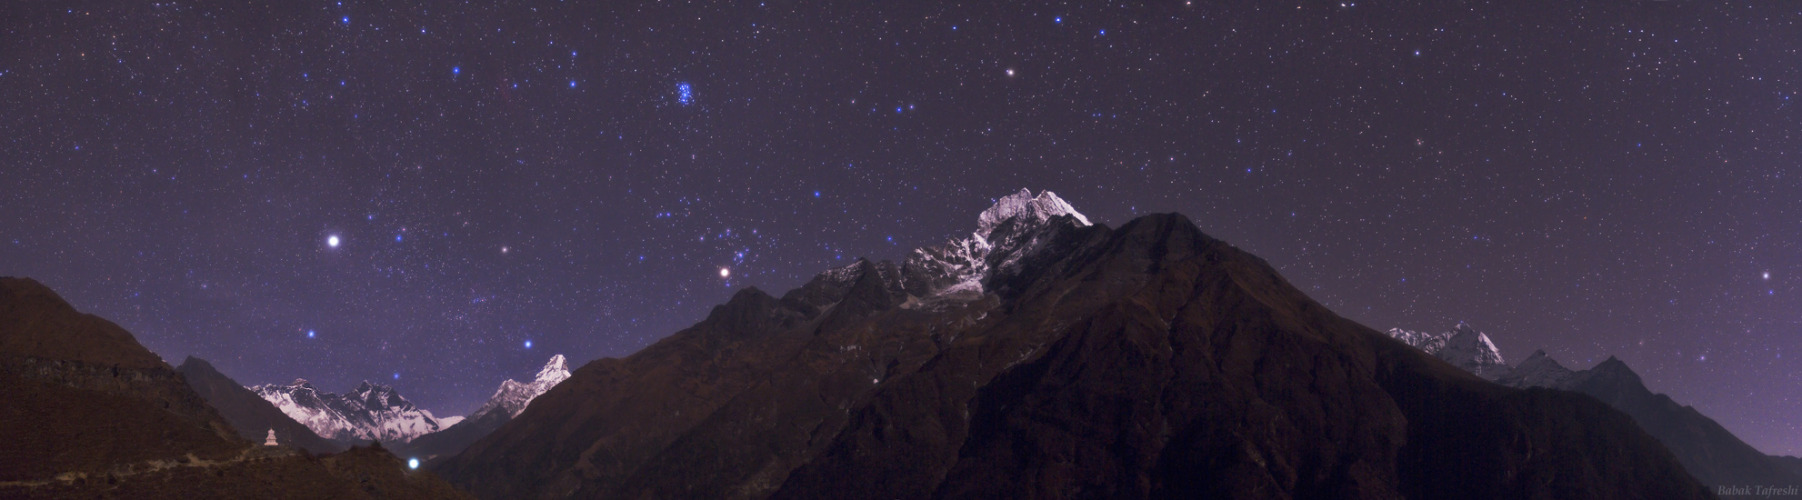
<point x="507" y="183"/>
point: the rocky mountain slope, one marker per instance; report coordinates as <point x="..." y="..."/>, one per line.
<point x="1046" y="357"/>
<point x="82" y="395"/>
<point x="251" y="415"/>
<point x="506" y="403"/>
<point x="371" y="412"/>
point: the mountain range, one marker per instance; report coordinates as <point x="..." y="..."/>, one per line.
<point x="370" y="412"/>
<point x="251" y="415"/>
<point x="1041" y="355"/>
<point x="1707" y="450"/>
<point x="1045" y="356"/>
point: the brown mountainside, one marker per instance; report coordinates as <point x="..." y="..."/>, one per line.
<point x="90" y="413"/>
<point x="1145" y="361"/>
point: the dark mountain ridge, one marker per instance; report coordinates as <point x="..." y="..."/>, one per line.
<point x="252" y="416"/>
<point x="1045" y="357"/>
<point x="1713" y="454"/>
<point x="82" y="395"/>
<point x="90" y="413"/>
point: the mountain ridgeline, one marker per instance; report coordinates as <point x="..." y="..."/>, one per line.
<point x="249" y="414"/>
<point x="1707" y="450"/>
<point x="370" y="412"/>
<point x="1043" y="356"/>
<point x="90" y="413"/>
<point x="507" y="402"/>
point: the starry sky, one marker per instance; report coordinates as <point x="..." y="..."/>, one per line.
<point x="439" y="196"/>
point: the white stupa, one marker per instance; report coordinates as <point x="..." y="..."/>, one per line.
<point x="270" y="441"/>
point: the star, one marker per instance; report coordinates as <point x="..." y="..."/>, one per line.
<point x="310" y="334"/>
<point x="1010" y="72"/>
<point x="725" y="272"/>
<point x="331" y="241"/>
<point x="1767" y="275"/>
<point x="528" y="343"/>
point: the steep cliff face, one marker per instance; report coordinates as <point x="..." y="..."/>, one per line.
<point x="1073" y="361"/>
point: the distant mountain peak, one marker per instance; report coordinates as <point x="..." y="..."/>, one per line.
<point x="1710" y="452"/>
<point x="557" y="368"/>
<point x="1464" y="346"/>
<point x="513" y="396"/>
<point x="1039" y="209"/>
<point x="369" y="412"/>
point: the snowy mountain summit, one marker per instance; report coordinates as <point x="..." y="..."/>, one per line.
<point x="513" y="395"/>
<point x="966" y="268"/>
<point x="1464" y="347"/>
<point x="370" y="412"/>
<point x="1027" y="209"/>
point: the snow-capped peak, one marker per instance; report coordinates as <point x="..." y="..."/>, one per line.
<point x="1023" y="204"/>
<point x="370" y="412"/>
<point x="554" y="371"/>
<point x="1464" y="347"/>
<point x="513" y="396"/>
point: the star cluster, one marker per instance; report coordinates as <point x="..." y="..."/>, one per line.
<point x="440" y="195"/>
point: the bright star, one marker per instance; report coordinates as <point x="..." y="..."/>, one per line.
<point x="412" y="463"/>
<point x="1767" y="275"/>
<point x="345" y="19"/>
<point x="331" y="241"/>
<point x="309" y="334"/>
<point x="725" y="272"/>
<point x="1010" y="72"/>
<point x="528" y="344"/>
<point x="397" y="375"/>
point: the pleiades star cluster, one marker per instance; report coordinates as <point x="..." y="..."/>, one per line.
<point x="440" y="195"/>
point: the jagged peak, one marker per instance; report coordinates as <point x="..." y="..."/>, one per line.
<point x="556" y="369"/>
<point x="1040" y="208"/>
